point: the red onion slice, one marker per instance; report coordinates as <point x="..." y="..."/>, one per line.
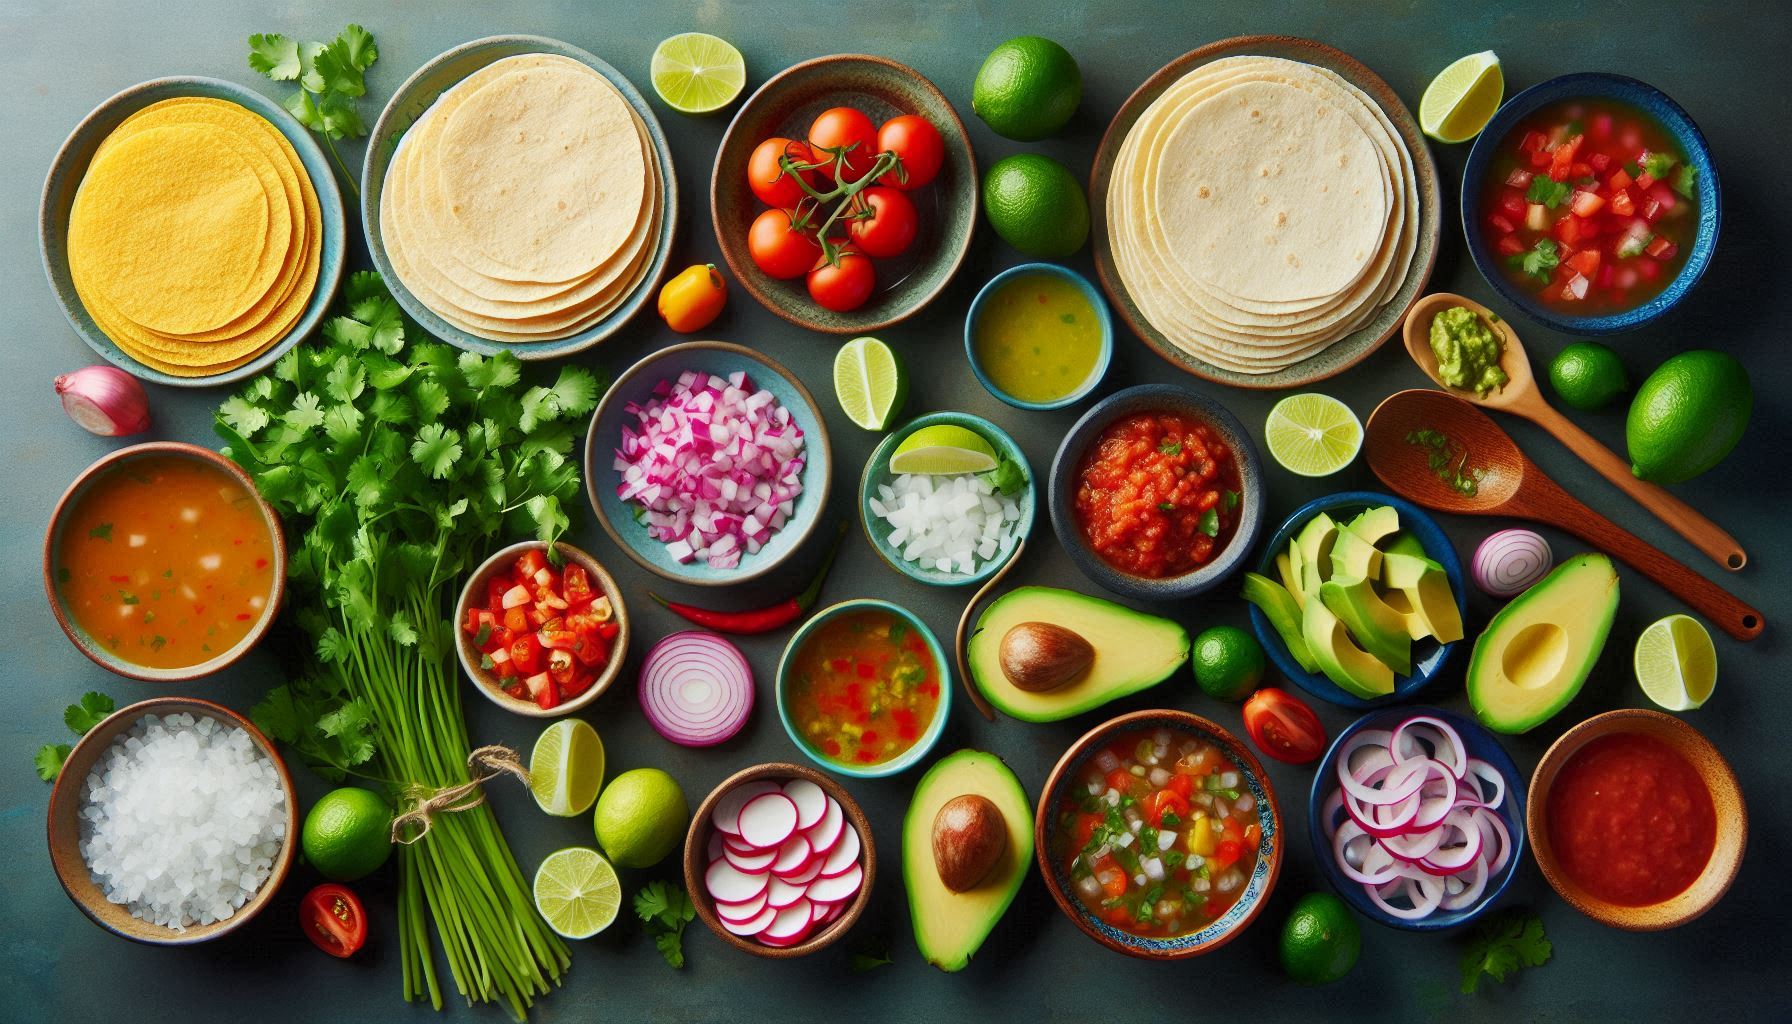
<point x="1479" y="769"/>
<point x="1457" y="756"/>
<point x="696" y="688"/>
<point x="1477" y="884"/>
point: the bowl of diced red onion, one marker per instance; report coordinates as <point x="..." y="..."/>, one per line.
<point x="1417" y="818"/>
<point x="708" y="463"/>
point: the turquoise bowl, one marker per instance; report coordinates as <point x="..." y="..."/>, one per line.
<point x="877" y="471"/>
<point x="910" y="757"/>
<point x="415" y="96"/>
<point x="70" y="166"/>
<point x="635" y="386"/>
<point x="1096" y="302"/>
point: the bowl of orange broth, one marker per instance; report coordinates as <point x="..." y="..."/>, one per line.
<point x="162" y="563"/>
<point x="862" y="688"/>
<point x="1039" y="336"/>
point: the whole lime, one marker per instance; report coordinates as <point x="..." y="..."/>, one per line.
<point x="640" y="817"/>
<point x="1320" y="941"/>
<point x="1587" y="376"/>
<point x="347" y="834"/>
<point x="1228" y="663"/>
<point x="1036" y="205"/>
<point x="1687" y="416"/>
<point x="1027" y="88"/>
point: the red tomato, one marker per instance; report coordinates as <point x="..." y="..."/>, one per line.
<point x="333" y="919"/>
<point x="766" y="175"/>
<point x="845" y="285"/>
<point x="1165" y="801"/>
<point x="843" y="128"/>
<point x="576" y="585"/>
<point x="525" y="654"/>
<point x="1283" y="726"/>
<point x="917" y="143"/>
<point x="778" y="247"/>
<point x="528" y="564"/>
<point x="883" y="222"/>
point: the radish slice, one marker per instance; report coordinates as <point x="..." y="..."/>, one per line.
<point x="739" y="845"/>
<point x="792" y="856"/>
<point x="714" y="847"/>
<point x="768" y="819"/>
<point x="844" y="854"/>
<point x="741" y="911"/>
<point x="825" y="833"/>
<point x="726" y="816"/>
<point x="791" y="920"/>
<point x="696" y="688"/>
<point x="754" y="925"/>
<point x="750" y="863"/>
<point x="780" y="893"/>
<point x="839" y="887"/>
<point x="811" y="801"/>
<point x="804" y="875"/>
<point x="729" y="884"/>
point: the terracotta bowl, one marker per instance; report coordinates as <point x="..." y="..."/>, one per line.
<point x="474" y="593"/>
<point x="96" y="651"/>
<point x="1726" y="799"/>
<point x="65" y="830"/>
<point x="1257" y="888"/>
<point x="696" y="861"/>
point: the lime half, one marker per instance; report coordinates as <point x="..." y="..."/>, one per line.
<point x="566" y="768"/>
<point x="944" y="448"/>
<point x="1676" y="665"/>
<point x="1312" y="434"/>
<point x="577" y="892"/>
<point x="697" y="73"/>
<point x="869" y="383"/>
<point x="1462" y="98"/>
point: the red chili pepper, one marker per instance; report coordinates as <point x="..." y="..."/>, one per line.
<point x="759" y="620"/>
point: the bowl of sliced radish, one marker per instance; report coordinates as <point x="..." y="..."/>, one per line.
<point x="1417" y="818"/>
<point x="779" y="860"/>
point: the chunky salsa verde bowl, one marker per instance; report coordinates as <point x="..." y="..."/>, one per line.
<point x="1652" y="238"/>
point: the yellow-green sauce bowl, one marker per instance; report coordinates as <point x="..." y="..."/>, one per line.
<point x="1036" y="325"/>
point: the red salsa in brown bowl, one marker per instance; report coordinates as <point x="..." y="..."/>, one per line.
<point x="1158" y="494"/>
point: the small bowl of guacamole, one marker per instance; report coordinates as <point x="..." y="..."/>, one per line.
<point x="1468" y="351"/>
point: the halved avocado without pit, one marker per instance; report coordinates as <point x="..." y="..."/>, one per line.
<point x="1535" y="654"/>
<point x="968" y="808"/>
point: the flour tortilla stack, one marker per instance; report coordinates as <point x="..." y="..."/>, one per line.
<point x="1261" y="210"/>
<point x="524" y="204"/>
<point x="195" y="239"/>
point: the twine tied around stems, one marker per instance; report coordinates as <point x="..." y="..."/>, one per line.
<point x="485" y="764"/>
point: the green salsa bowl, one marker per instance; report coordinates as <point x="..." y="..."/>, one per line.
<point x="981" y="305"/>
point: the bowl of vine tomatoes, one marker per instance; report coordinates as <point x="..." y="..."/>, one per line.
<point x="845" y="193"/>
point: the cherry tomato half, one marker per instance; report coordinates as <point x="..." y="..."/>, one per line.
<point x="845" y="285"/>
<point x="766" y="176"/>
<point x="843" y="128"/>
<point x="917" y="143"/>
<point x="333" y="919"/>
<point x="778" y="247"/>
<point x="883" y="222"/>
<point x="1283" y="726"/>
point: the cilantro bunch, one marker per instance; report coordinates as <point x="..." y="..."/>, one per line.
<point x="80" y="718"/>
<point x="397" y="464"/>
<point x="1501" y="945"/>
<point x="665" y="909"/>
<point x="331" y="77"/>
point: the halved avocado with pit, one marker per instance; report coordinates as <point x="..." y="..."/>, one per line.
<point x="951" y="925"/>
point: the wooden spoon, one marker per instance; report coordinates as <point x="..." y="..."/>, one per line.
<point x="1521" y="397"/>
<point x="1508" y="484"/>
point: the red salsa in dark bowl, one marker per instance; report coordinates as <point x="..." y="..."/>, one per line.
<point x="1158" y="494"/>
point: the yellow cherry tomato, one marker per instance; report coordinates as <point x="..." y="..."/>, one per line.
<point x="693" y="299"/>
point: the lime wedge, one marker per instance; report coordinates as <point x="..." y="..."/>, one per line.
<point x="577" y="892"/>
<point x="697" y="73"/>
<point x="941" y="449"/>
<point x="566" y="768"/>
<point x="1462" y="98"/>
<point x="1312" y="434"/>
<point x="1676" y="663"/>
<point x="869" y="383"/>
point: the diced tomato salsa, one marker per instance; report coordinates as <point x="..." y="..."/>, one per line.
<point x="1158" y="833"/>
<point x="544" y="632"/>
<point x="863" y="688"/>
<point x="1158" y="494"/>
<point x="1591" y="206"/>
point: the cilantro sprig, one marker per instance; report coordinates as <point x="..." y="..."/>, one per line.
<point x="1501" y="945"/>
<point x="1538" y="261"/>
<point x="665" y="909"/>
<point x="331" y="77"/>
<point x="1547" y="191"/>
<point x="80" y="717"/>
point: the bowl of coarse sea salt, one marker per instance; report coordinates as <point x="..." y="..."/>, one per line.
<point x="172" y="822"/>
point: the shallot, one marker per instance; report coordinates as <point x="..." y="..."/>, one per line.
<point x="104" y="400"/>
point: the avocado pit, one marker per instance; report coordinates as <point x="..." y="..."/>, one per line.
<point x="1040" y="656"/>
<point x="970" y="835"/>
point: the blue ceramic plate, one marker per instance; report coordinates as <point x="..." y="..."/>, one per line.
<point x="1096" y="302"/>
<point x="1084" y="434"/>
<point x="1603" y="86"/>
<point x="907" y="758"/>
<point x="636" y="386"/>
<point x="415" y="96"/>
<point x="70" y="166"/>
<point x="1428" y="656"/>
<point x="1481" y="744"/>
<point x="877" y="471"/>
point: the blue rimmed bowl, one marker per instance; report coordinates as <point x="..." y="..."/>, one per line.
<point x="1263" y="874"/>
<point x="416" y="95"/>
<point x="1061" y="491"/>
<point x="908" y="758"/>
<point x="1428" y="656"/>
<point x="1096" y="303"/>
<point x="1480" y="744"/>
<point x="635" y="387"/>
<point x="70" y="167"/>
<point x="1593" y="85"/>
<point x="877" y="472"/>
